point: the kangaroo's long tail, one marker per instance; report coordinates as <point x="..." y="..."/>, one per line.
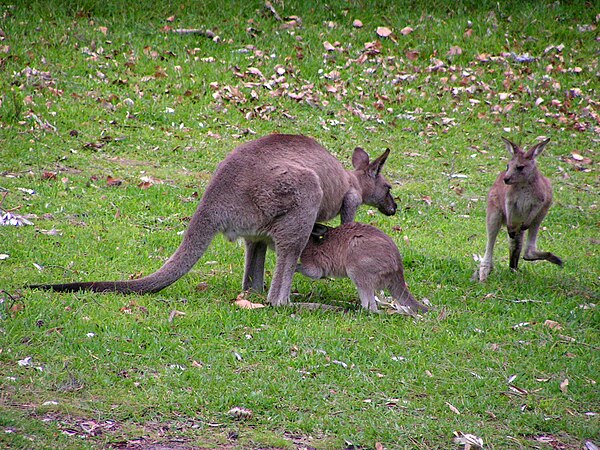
<point x="196" y="240"/>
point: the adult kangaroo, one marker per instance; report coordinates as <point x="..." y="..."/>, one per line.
<point x="363" y="253"/>
<point x="519" y="198"/>
<point x="270" y="192"/>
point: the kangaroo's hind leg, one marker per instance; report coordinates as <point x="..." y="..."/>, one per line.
<point x="291" y="230"/>
<point x="254" y="274"/>
<point x="515" y="241"/>
<point x="494" y="221"/>
<point x="531" y="251"/>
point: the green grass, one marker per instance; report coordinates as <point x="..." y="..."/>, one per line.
<point x="96" y="89"/>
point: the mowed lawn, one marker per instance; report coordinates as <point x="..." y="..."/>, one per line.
<point x="114" y="116"/>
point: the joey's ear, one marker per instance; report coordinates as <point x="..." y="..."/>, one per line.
<point x="375" y="166"/>
<point x="511" y="147"/>
<point x="537" y="149"/>
<point x="360" y="159"/>
<point x="319" y="230"/>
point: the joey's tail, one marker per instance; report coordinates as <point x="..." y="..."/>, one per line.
<point x="196" y="239"/>
<point x="400" y="292"/>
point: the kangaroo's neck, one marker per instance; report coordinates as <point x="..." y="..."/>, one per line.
<point x="353" y="177"/>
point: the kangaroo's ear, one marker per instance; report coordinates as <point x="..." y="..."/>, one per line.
<point x="375" y="166"/>
<point x="360" y="159"/>
<point x="537" y="149"/>
<point x="511" y="147"/>
<point x="319" y="230"/>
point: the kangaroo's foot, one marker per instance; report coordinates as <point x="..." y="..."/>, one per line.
<point x="547" y="256"/>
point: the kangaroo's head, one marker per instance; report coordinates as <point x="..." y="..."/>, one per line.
<point x="522" y="168"/>
<point x="376" y="190"/>
<point x="318" y="232"/>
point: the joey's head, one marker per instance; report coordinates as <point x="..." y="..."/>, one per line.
<point x="318" y="233"/>
<point x="376" y="190"/>
<point x="522" y="168"/>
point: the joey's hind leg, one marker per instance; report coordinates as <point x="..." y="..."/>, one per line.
<point x="531" y="251"/>
<point x="254" y="274"/>
<point x="367" y="299"/>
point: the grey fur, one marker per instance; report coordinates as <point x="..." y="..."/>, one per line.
<point x="519" y="198"/>
<point x="270" y="192"/>
<point x="363" y="253"/>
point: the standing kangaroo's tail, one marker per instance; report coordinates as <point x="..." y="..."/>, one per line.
<point x="196" y="239"/>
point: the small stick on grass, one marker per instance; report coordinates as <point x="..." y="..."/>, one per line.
<point x="207" y="33"/>
<point x="270" y="7"/>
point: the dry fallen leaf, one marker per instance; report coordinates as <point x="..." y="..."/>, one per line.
<point x="453" y="408"/>
<point x="455" y="50"/>
<point x="577" y="156"/>
<point x="357" y="23"/>
<point x="238" y="412"/>
<point x="411" y="55"/>
<point x="328" y="46"/>
<point x="49" y="175"/>
<point x="470" y="441"/>
<point x="113" y="181"/>
<point x="246" y="304"/>
<point x="553" y="325"/>
<point x="564" y="385"/>
<point x="241" y="302"/>
<point x="174" y="314"/>
<point x="406" y="30"/>
<point x="383" y="32"/>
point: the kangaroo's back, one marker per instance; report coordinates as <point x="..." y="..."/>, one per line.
<point x="270" y="169"/>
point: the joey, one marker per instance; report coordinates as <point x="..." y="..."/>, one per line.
<point x="363" y="253"/>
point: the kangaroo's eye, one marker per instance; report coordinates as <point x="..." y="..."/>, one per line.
<point x="520" y="168"/>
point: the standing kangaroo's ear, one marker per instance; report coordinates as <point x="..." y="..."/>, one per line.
<point x="537" y="149"/>
<point x="360" y="159"/>
<point x="511" y="147"/>
<point x="376" y="166"/>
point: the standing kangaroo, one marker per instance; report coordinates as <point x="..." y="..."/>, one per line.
<point x="363" y="253"/>
<point x="270" y="192"/>
<point x="519" y="198"/>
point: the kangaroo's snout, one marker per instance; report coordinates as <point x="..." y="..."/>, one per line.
<point x="389" y="210"/>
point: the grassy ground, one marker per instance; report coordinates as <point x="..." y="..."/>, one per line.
<point x="111" y="124"/>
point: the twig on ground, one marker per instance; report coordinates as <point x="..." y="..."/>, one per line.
<point x="317" y="306"/>
<point x="270" y="7"/>
<point x="207" y="33"/>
